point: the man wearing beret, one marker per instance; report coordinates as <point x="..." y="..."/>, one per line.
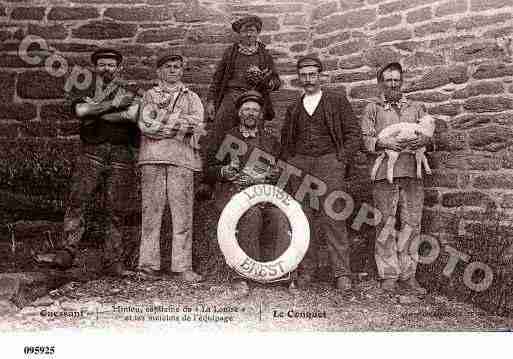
<point x="395" y="262"/>
<point x="232" y="175"/>
<point x="244" y="66"/>
<point x="171" y="121"/>
<point x="108" y="129"/>
<point x="320" y="136"/>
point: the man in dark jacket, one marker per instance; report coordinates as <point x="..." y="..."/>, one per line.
<point x="108" y="129"/>
<point x="319" y="136"/>
<point x="245" y="65"/>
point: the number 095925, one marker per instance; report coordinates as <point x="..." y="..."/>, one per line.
<point x="44" y="350"/>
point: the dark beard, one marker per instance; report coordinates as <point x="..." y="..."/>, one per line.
<point x="393" y="95"/>
<point x="107" y="76"/>
<point x="244" y="123"/>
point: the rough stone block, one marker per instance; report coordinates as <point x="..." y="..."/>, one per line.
<point x="295" y="36"/>
<point x="447" y="109"/>
<point x="364" y="91"/>
<point x="210" y="34"/>
<point x="485" y="71"/>
<point x="477" y="52"/>
<point x="480" y="88"/>
<point x="451" y="141"/>
<point x="161" y="35"/>
<point x="349" y="47"/>
<point x="7" y="80"/>
<point x="419" y="15"/>
<point x="441" y="179"/>
<point x="457" y="199"/>
<point x="28" y="13"/>
<point x="350" y="4"/>
<point x="9" y="130"/>
<point x="488" y="104"/>
<point x="351" y="62"/>
<point x="298" y="48"/>
<point x="491" y="138"/>
<point x="478" y="5"/>
<point x="40" y="85"/>
<point x="48" y="32"/>
<point x="389" y="21"/>
<point x="430" y="96"/>
<point x="62" y="13"/>
<point x="400" y="5"/>
<point x="351" y="19"/>
<point x="38" y="129"/>
<point x="392" y="35"/>
<point x="423" y="59"/>
<point x="468" y="121"/>
<point x="473" y="22"/>
<point x="433" y="28"/>
<point x="439" y="76"/>
<point x="327" y="41"/>
<point x="103" y="30"/>
<point x="451" y="7"/>
<point x="354" y="76"/>
<point x="436" y="221"/>
<point x="431" y="197"/>
<point x="294" y="19"/>
<point x="140" y="13"/>
<point x="17" y="111"/>
<point x="500" y="180"/>
<point x="377" y="56"/>
<point x="324" y="10"/>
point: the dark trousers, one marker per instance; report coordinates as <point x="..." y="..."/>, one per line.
<point x="331" y="172"/>
<point x="109" y="166"/>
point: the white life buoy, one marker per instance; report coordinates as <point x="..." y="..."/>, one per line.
<point x="234" y="255"/>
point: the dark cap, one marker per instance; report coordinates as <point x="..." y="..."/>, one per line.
<point x="250" y="95"/>
<point x="309" y="61"/>
<point x="162" y="59"/>
<point x="248" y="20"/>
<point x="386" y="66"/>
<point x="106" y="54"/>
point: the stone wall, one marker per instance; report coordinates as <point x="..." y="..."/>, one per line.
<point x="457" y="55"/>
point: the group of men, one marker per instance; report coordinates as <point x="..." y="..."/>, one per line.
<point x="319" y="137"/>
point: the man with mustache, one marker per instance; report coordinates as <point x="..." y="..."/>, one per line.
<point x="245" y="65"/>
<point x="395" y="256"/>
<point x="320" y="136"/>
<point x="108" y="129"/>
<point x="232" y="175"/>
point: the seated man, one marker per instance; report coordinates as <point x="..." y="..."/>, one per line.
<point x="233" y="175"/>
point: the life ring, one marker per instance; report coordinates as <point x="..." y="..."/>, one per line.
<point x="237" y="259"/>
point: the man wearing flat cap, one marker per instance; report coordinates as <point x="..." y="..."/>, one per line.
<point x="171" y="121"/>
<point x="107" y="131"/>
<point x="320" y="136"/>
<point x="232" y="175"/>
<point x="244" y="66"/>
<point x="395" y="260"/>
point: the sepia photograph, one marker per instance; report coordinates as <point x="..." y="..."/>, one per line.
<point x="255" y="166"/>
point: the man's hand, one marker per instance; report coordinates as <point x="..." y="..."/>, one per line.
<point x="210" y="110"/>
<point x="420" y="141"/>
<point x="274" y="174"/>
<point x="229" y="172"/>
<point x="122" y="100"/>
<point x="390" y="142"/>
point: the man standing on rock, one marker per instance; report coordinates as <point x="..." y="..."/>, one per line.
<point x="245" y="65"/>
<point x="171" y="122"/>
<point x="232" y="175"/>
<point x="320" y="135"/>
<point x="107" y="130"/>
<point x="395" y="260"/>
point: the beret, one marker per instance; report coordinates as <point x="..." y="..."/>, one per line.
<point x="162" y="59"/>
<point x="387" y="66"/>
<point x="248" y="20"/>
<point x="106" y="54"/>
<point x="250" y="95"/>
<point x="309" y="61"/>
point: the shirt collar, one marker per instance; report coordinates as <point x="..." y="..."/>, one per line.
<point x="248" y="132"/>
<point x="248" y="50"/>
